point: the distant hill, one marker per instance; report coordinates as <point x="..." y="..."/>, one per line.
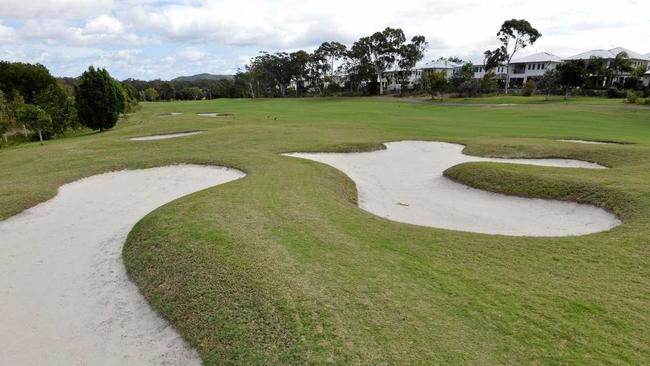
<point x="202" y="77"/>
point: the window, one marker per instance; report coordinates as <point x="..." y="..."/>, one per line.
<point x="543" y="66"/>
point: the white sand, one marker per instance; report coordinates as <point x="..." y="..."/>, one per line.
<point x="588" y="142"/>
<point x="170" y="114"/>
<point x="65" y="297"/>
<point x="165" y="136"/>
<point x="405" y="183"/>
<point x="214" y="114"/>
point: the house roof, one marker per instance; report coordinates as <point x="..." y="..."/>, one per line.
<point x="608" y="54"/>
<point x="538" y="57"/>
<point x="437" y="64"/>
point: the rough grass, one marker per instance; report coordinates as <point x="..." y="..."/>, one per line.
<point x="281" y="267"/>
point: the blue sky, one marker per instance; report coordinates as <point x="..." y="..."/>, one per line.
<point x="152" y="39"/>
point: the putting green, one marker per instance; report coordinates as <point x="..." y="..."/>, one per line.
<point x="282" y="267"/>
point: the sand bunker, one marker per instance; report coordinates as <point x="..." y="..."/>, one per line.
<point x="589" y="142"/>
<point x="214" y="114"/>
<point x="405" y="183"/>
<point x="65" y="297"/>
<point x="170" y="114"/>
<point x="164" y="136"/>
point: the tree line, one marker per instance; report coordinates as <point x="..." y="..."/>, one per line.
<point x="330" y="68"/>
<point x="34" y="104"/>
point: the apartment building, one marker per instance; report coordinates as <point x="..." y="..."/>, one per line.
<point x="392" y="80"/>
<point x="636" y="59"/>
<point x="521" y="69"/>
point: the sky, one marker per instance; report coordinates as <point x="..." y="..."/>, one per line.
<point x="162" y="39"/>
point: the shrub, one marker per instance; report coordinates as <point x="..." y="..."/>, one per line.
<point x="469" y="88"/>
<point x="631" y="96"/>
<point x="35" y="118"/>
<point x="529" y="88"/>
<point x="614" y="92"/>
<point x="99" y="99"/>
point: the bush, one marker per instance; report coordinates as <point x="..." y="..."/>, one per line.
<point x="529" y="88"/>
<point x="614" y="92"/>
<point x="35" y="118"/>
<point x="469" y="88"/>
<point x="99" y="99"/>
<point x="631" y="97"/>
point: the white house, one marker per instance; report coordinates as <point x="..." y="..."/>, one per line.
<point x="637" y="59"/>
<point x="522" y="69"/>
<point x="392" y="82"/>
<point x="532" y="67"/>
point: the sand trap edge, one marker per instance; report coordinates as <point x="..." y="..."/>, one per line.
<point x="166" y="136"/>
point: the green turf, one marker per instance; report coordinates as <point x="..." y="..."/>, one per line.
<point x="536" y="99"/>
<point x="281" y="267"/>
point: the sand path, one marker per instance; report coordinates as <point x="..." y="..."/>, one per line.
<point x="405" y="183"/>
<point x="65" y="297"/>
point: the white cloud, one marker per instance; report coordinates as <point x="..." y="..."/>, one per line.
<point x="7" y="34"/>
<point x="104" y="25"/>
<point x="68" y="9"/>
<point x="216" y="34"/>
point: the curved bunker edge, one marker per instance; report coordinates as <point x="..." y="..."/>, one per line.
<point x="65" y="284"/>
<point x="405" y="183"/>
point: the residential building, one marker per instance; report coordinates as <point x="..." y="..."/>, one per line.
<point x="636" y="59"/>
<point x="532" y="67"/>
<point x="521" y="69"/>
<point x="392" y="79"/>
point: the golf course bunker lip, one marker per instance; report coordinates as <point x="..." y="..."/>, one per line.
<point x="165" y="136"/>
<point x="405" y="183"/>
<point x="215" y="114"/>
<point x="64" y="291"/>
<point x="590" y="142"/>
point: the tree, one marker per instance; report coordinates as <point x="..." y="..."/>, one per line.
<point x="130" y="97"/>
<point x="514" y="35"/>
<point x="382" y="49"/>
<point x="35" y="118"/>
<point x="166" y="91"/>
<point x="549" y="81"/>
<point x="298" y="68"/>
<point x="191" y="93"/>
<point x="619" y="65"/>
<point x="409" y="55"/>
<point x="54" y="101"/>
<point x="598" y="72"/>
<point x="529" y="88"/>
<point x="492" y="59"/>
<point x="358" y="65"/>
<point x="99" y="99"/>
<point x="634" y="81"/>
<point x="571" y="74"/>
<point x="24" y="79"/>
<point x="462" y="75"/>
<point x="151" y="94"/>
<point x="435" y="82"/>
<point x="332" y="51"/>
<point x="4" y="116"/>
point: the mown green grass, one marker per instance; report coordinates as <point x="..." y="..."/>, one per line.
<point x="536" y="99"/>
<point x="281" y="267"/>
